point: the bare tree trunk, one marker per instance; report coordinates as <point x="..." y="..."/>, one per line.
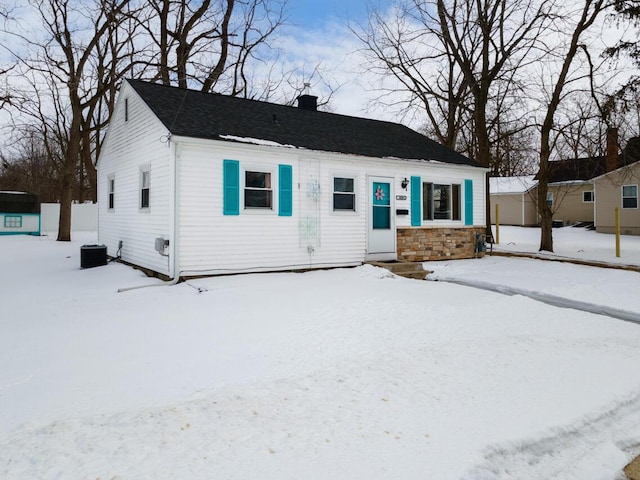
<point x="87" y="164"/>
<point x="66" y="194"/>
<point x="544" y="210"/>
<point x="591" y="9"/>
<point x="217" y="71"/>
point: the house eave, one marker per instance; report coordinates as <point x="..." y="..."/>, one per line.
<point x="599" y="177"/>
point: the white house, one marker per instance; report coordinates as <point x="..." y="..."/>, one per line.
<point x="192" y="183"/>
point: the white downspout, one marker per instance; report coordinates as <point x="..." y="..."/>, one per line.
<point x="173" y="208"/>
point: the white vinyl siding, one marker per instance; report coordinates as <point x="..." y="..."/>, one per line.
<point x="128" y="146"/>
<point x="211" y="242"/>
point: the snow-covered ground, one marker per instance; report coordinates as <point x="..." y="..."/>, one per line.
<point x="572" y="242"/>
<point x="346" y="373"/>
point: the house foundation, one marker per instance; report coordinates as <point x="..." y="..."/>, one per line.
<point x="418" y="244"/>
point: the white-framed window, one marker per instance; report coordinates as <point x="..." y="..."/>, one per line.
<point x="258" y="189"/>
<point x="630" y="196"/>
<point x="111" y="191"/>
<point x="588" y="197"/>
<point x="145" y="186"/>
<point x="550" y="199"/>
<point x="441" y="201"/>
<point x="13" y="221"/>
<point x="344" y="195"/>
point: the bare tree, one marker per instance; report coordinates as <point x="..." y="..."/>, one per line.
<point x="407" y="45"/>
<point x="5" y="94"/>
<point x="33" y="167"/>
<point x="489" y="40"/>
<point x="79" y="61"/>
<point x="210" y="43"/>
<point x="459" y="59"/>
<point x="628" y="10"/>
<point x="586" y="13"/>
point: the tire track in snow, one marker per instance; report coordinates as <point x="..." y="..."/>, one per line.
<point x="576" y="451"/>
<point x="547" y="298"/>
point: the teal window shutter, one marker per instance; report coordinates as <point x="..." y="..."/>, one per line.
<point x="231" y="187"/>
<point x="416" y="211"/>
<point x="285" y="190"/>
<point x="468" y="202"/>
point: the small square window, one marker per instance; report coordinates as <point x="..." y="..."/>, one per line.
<point x="13" y="221"/>
<point x="257" y="190"/>
<point x="630" y="196"/>
<point x="344" y="197"/>
<point x="145" y="183"/>
<point x="588" y="197"/>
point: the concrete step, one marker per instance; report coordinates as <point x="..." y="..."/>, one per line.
<point x="404" y="269"/>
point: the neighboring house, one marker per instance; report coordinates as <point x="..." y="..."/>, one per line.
<point x="619" y="189"/>
<point x="571" y="193"/>
<point x="570" y="190"/>
<point x="19" y="213"/>
<point x="192" y="183"/>
<point x="514" y="197"/>
<point x="570" y="197"/>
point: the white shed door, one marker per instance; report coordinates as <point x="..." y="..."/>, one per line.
<point x="382" y="234"/>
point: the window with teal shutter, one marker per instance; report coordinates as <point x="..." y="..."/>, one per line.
<point x="468" y="202"/>
<point x="285" y="190"/>
<point x="231" y="187"/>
<point x="416" y="214"/>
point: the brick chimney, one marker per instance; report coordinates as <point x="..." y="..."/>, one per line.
<point x="612" y="156"/>
<point x="308" y="102"/>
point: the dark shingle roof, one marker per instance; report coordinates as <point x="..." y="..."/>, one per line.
<point x="576" y="169"/>
<point x="191" y="113"/>
<point x="582" y="169"/>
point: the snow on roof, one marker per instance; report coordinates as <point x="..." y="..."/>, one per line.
<point x="254" y="141"/>
<point x="506" y="185"/>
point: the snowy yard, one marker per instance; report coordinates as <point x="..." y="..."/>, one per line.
<point x="339" y="374"/>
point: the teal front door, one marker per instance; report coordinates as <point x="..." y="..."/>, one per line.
<point x="382" y="238"/>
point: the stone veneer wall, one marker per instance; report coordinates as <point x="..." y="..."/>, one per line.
<point x="418" y="244"/>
